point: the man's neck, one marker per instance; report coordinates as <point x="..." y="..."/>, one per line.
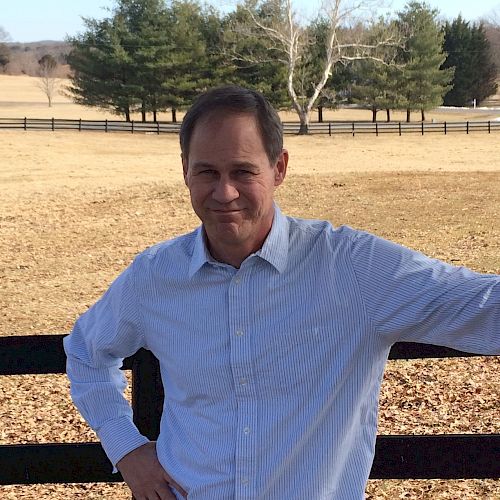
<point x="232" y="255"/>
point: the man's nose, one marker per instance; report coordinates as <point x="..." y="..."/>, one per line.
<point x="225" y="191"/>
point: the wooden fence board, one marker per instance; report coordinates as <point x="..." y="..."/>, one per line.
<point x="396" y="457"/>
<point x="330" y="128"/>
<point x="43" y="354"/>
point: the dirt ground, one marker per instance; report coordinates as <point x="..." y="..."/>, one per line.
<point x="75" y="209"/>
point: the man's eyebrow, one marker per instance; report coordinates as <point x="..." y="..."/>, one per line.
<point x="198" y="165"/>
<point x="245" y="164"/>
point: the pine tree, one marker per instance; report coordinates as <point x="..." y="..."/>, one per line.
<point x="147" y="57"/>
<point x="423" y="82"/>
<point x="189" y="66"/>
<point x="469" y="53"/>
<point x="102" y="71"/>
<point x="377" y="82"/>
<point x="376" y="87"/>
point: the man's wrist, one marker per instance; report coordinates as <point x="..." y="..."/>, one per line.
<point x="119" y="437"/>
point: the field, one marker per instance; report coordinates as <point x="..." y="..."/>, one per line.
<point x="76" y="207"/>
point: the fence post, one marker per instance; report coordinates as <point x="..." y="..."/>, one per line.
<point x="376" y="129"/>
<point x="53" y="124"/>
<point x="445" y="131"/>
<point x="147" y="394"/>
<point x="132" y="126"/>
<point x="25" y="120"/>
<point x="80" y="125"/>
<point x="399" y="128"/>
<point x="422" y="128"/>
<point x="158" y="128"/>
<point x="106" y="125"/>
<point x="489" y="127"/>
<point x="329" y="128"/>
<point x="467" y="126"/>
<point x="353" y="129"/>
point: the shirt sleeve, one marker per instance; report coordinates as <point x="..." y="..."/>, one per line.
<point x="108" y="332"/>
<point x="413" y="298"/>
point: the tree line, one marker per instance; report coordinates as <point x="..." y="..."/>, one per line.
<point x="150" y="56"/>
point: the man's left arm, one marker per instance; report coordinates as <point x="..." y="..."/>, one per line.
<point x="413" y="298"/>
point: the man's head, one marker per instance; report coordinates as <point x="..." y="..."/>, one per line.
<point x="232" y="168"/>
<point x="237" y="100"/>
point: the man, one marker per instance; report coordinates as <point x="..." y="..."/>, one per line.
<point x="272" y="332"/>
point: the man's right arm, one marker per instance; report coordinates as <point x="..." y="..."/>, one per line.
<point x="108" y="332"/>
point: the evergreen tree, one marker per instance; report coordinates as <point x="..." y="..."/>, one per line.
<point x="376" y="83"/>
<point x="145" y="38"/>
<point x="376" y="87"/>
<point x="469" y="53"/>
<point x="189" y="67"/>
<point x="102" y="70"/>
<point x="147" y="57"/>
<point x="424" y="82"/>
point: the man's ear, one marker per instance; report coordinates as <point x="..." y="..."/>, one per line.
<point x="184" y="167"/>
<point x="280" y="168"/>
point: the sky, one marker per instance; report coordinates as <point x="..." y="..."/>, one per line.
<point x="35" y="20"/>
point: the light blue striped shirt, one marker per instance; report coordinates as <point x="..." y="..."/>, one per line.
<point x="271" y="371"/>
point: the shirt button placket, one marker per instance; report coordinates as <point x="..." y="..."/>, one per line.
<point x="241" y="365"/>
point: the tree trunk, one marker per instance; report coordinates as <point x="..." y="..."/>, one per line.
<point x="127" y="114"/>
<point x="388" y="111"/>
<point x="154" y="115"/>
<point x="304" y="122"/>
<point x="143" y="111"/>
<point x="320" y="114"/>
<point x="423" y="114"/>
<point x="408" y="115"/>
<point x="374" y="115"/>
<point x="174" y="115"/>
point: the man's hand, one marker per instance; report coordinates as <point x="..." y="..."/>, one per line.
<point x="145" y="476"/>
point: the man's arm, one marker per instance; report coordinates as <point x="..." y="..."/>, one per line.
<point x="108" y="332"/>
<point x="413" y="298"/>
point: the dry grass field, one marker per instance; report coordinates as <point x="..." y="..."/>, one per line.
<point x="76" y="207"/>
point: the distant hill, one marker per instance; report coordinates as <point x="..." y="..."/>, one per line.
<point x="24" y="57"/>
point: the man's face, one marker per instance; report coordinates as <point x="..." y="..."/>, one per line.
<point x="232" y="182"/>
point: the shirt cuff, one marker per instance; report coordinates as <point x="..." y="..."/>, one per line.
<point x="119" y="437"/>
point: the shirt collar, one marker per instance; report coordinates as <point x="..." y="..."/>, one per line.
<point x="274" y="250"/>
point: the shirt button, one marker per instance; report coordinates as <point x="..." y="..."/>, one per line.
<point x="246" y="430"/>
<point x="243" y="381"/>
<point x="239" y="333"/>
<point x="237" y="280"/>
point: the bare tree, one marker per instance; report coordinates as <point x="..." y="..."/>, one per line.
<point x="4" y="49"/>
<point x="346" y="27"/>
<point x="47" y="81"/>
<point x="492" y="29"/>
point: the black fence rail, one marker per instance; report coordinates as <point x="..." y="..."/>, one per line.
<point x="57" y="124"/>
<point x="396" y="457"/>
<point x="325" y="128"/>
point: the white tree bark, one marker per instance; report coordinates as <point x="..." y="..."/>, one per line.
<point x="289" y="36"/>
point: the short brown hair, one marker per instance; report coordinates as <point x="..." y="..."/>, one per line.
<point x="233" y="98"/>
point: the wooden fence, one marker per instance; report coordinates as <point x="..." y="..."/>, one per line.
<point x="328" y="128"/>
<point x="396" y="457"/>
